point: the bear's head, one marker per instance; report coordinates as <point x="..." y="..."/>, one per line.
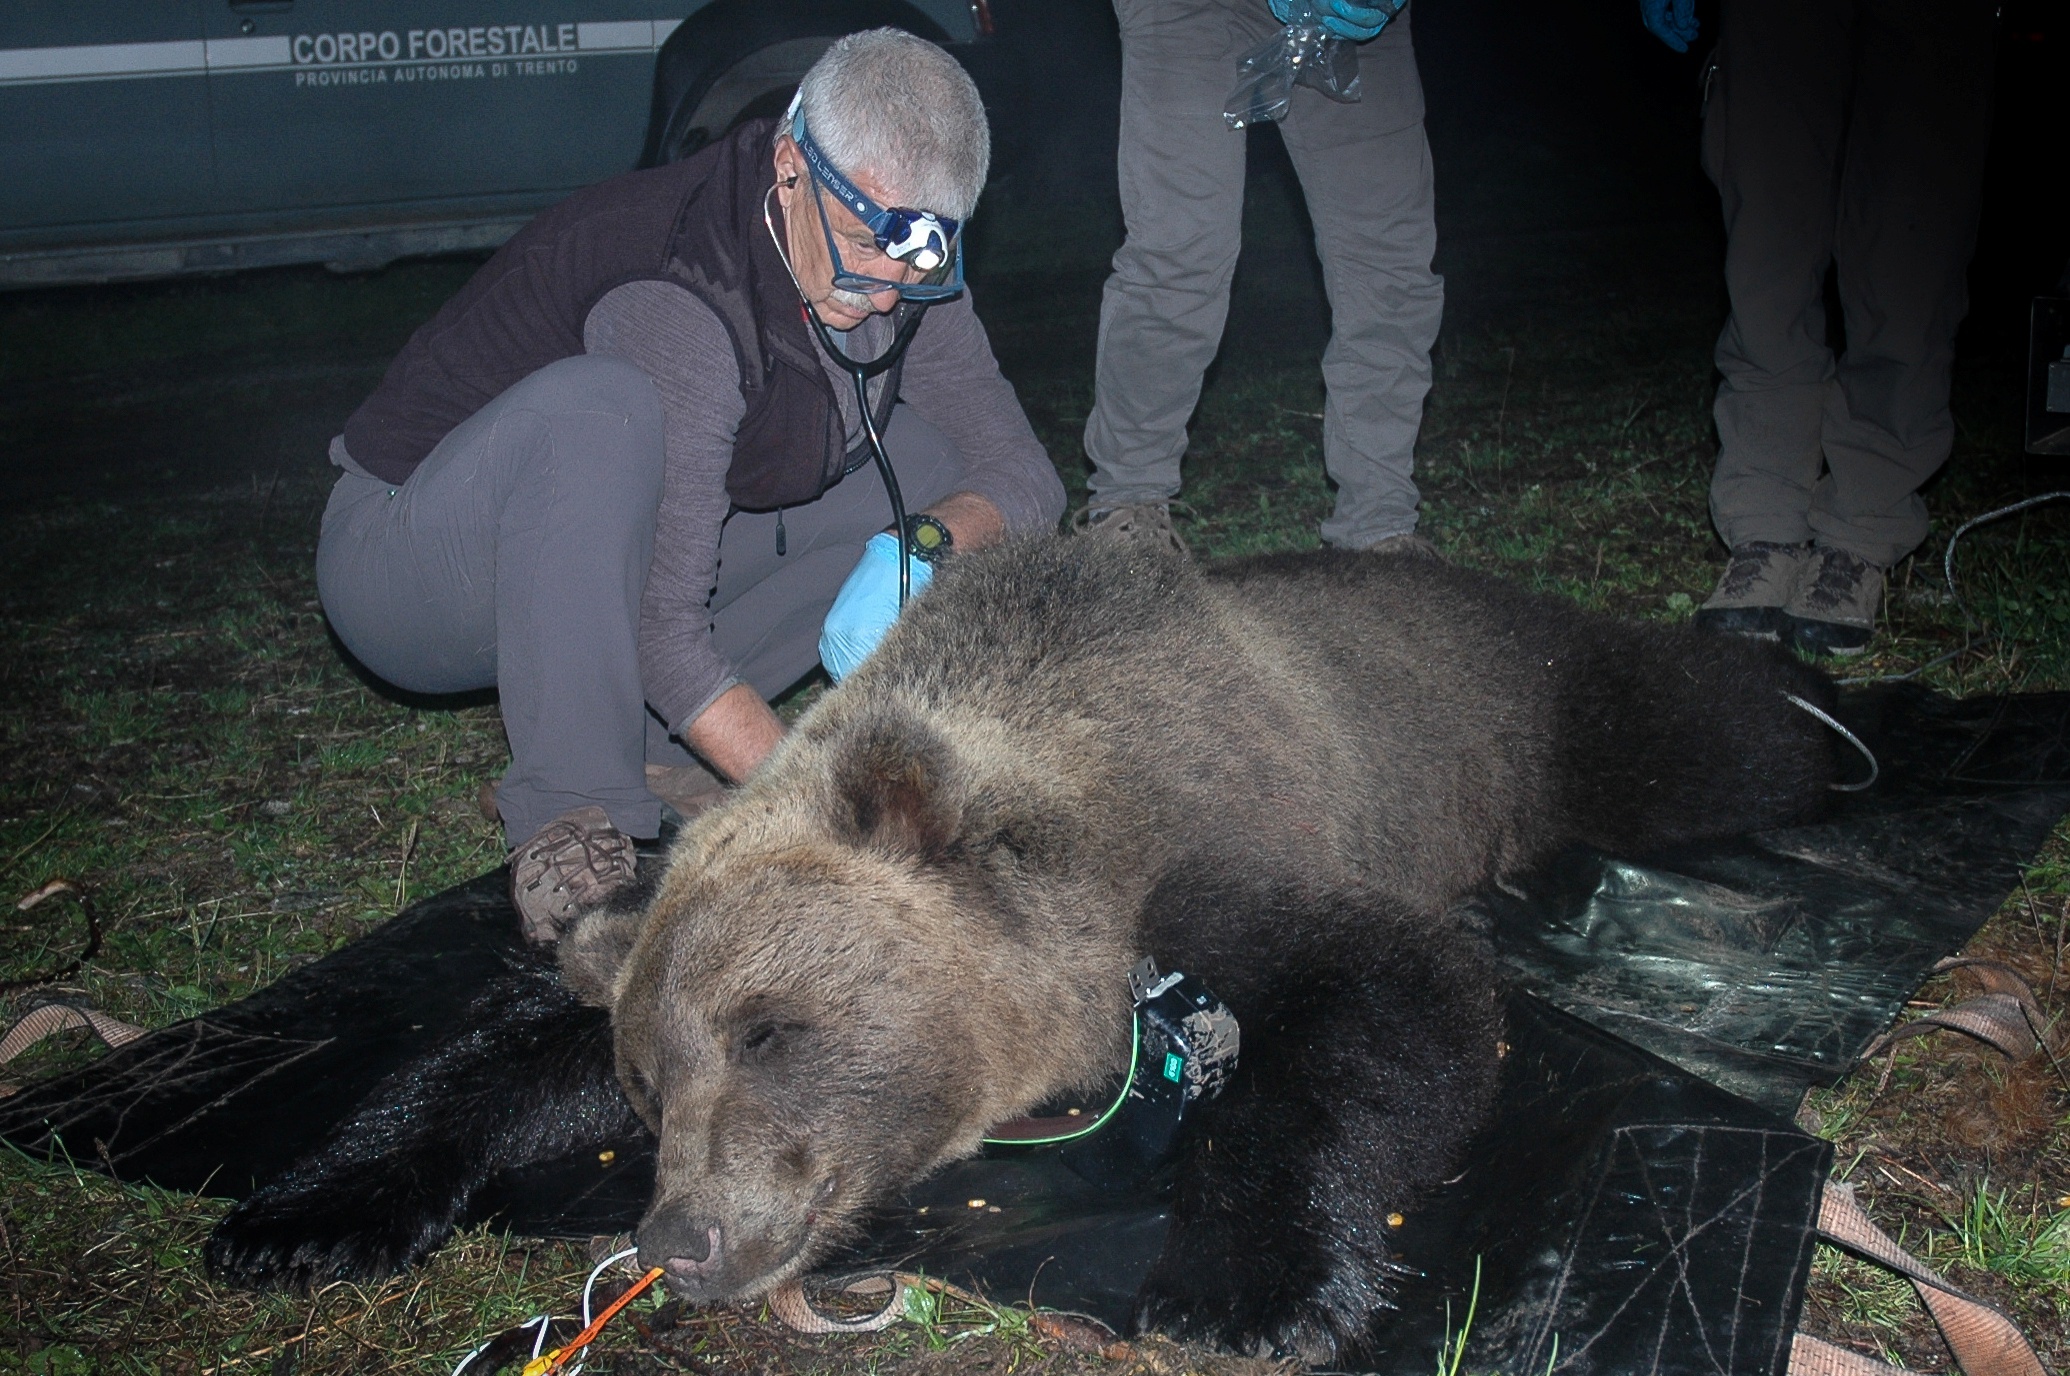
<point x="847" y="974"/>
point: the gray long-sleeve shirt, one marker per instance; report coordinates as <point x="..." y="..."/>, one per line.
<point x="950" y="379"/>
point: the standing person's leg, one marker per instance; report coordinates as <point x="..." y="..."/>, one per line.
<point x="1181" y="178"/>
<point x="1366" y="173"/>
<point x="1909" y="194"/>
<point x="515" y="555"/>
<point x="1774" y="124"/>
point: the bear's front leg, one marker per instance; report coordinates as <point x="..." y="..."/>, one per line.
<point x="1369" y="1057"/>
<point x="530" y="1081"/>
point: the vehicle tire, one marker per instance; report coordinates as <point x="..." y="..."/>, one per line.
<point x="741" y="59"/>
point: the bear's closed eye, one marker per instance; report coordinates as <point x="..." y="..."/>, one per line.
<point x="767" y="1038"/>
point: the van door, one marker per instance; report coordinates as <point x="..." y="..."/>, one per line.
<point x="104" y="104"/>
<point x="424" y="108"/>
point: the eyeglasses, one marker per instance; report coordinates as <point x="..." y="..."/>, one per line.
<point x="921" y="239"/>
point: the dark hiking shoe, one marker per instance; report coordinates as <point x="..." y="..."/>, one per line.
<point x="1758" y="583"/>
<point x="1834" y="611"/>
<point x="573" y="863"/>
<point x="1151" y="521"/>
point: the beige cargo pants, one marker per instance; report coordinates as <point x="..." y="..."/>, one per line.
<point x="1848" y="133"/>
<point x="1365" y="172"/>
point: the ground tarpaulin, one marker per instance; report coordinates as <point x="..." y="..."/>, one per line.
<point x="1641" y="1197"/>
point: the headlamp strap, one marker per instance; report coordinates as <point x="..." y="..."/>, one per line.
<point x="881" y="221"/>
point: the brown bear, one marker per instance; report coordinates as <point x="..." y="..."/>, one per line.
<point x="1275" y="773"/>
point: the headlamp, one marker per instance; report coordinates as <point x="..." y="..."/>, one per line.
<point x="921" y="239"/>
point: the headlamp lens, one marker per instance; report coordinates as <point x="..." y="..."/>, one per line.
<point x="917" y="237"/>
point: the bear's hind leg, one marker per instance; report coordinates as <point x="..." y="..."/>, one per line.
<point x="1368" y="1057"/>
<point x="1667" y="735"/>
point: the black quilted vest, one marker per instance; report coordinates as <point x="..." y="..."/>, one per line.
<point x="697" y="223"/>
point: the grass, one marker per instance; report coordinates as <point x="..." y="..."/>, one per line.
<point x="178" y="734"/>
<point x="2026" y="1241"/>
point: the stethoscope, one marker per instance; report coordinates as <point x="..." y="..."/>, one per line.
<point x="860" y="373"/>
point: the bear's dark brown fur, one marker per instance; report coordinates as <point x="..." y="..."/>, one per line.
<point x="1277" y="773"/>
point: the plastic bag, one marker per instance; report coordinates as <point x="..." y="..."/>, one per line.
<point x="1301" y="54"/>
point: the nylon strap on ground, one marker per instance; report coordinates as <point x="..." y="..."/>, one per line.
<point x="2006" y="1017"/>
<point x="1984" y="1339"/>
<point x="788" y="1302"/>
<point x="45" y="1019"/>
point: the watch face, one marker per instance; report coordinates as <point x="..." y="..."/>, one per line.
<point x="927" y="538"/>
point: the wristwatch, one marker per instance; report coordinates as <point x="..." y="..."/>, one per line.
<point x="927" y="539"/>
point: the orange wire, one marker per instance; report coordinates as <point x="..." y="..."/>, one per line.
<point x="558" y="1358"/>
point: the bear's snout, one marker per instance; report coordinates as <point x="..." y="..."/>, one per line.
<point x="694" y="1268"/>
<point x="688" y="1250"/>
<point x="712" y="1255"/>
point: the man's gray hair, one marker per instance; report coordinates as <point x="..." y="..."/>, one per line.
<point x="901" y="111"/>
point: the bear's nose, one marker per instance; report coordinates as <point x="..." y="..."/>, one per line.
<point x="687" y="1267"/>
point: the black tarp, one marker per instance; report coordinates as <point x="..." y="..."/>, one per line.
<point x="1641" y="1198"/>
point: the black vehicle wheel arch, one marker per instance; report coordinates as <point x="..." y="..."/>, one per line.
<point x="712" y="41"/>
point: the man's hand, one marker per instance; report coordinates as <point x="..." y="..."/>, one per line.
<point x="1344" y="18"/>
<point x="1673" y="22"/>
<point x="868" y="602"/>
<point x="866" y="605"/>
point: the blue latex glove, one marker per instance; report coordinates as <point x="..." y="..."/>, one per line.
<point x="866" y="606"/>
<point x="1673" y="22"/>
<point x="1344" y="18"/>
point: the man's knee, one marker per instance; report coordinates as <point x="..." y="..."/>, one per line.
<point x="1190" y="265"/>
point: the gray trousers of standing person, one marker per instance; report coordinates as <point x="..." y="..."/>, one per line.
<point x="515" y="557"/>
<point x="1851" y="134"/>
<point x="1365" y="171"/>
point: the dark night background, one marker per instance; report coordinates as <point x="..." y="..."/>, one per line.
<point x="1565" y="141"/>
<point x="1565" y="144"/>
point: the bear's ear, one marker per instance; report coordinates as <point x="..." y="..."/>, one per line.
<point x="594" y="952"/>
<point x="894" y="787"/>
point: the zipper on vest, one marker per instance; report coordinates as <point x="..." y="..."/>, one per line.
<point x="779" y="535"/>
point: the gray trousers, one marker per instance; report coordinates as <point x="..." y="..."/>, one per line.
<point x="1365" y="171"/>
<point x="1848" y="132"/>
<point x="515" y="557"/>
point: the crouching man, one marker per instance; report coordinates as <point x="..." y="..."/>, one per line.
<point x="623" y="475"/>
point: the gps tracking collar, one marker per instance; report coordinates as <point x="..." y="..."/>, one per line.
<point x="1186" y="1046"/>
<point x="919" y="238"/>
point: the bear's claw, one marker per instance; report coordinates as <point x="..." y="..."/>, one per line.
<point x="282" y="1239"/>
<point x="1273" y="1327"/>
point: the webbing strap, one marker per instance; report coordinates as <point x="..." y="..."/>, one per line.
<point x="2006" y="1017"/>
<point x="1811" y="1356"/>
<point x="48" y="1018"/>
<point x="1983" y="1337"/>
<point x="788" y="1301"/>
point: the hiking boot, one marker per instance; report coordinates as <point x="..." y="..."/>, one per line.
<point x="1834" y="611"/>
<point x="572" y="864"/>
<point x="1758" y="583"/>
<point x="1151" y="521"/>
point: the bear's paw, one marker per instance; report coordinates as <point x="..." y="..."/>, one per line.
<point x="1259" y="1309"/>
<point x="288" y="1239"/>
